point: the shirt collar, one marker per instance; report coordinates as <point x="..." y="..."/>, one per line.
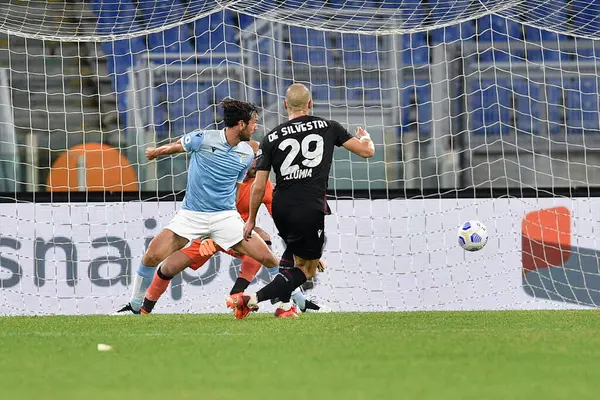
<point x="225" y="143"/>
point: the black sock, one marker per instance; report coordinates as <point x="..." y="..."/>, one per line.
<point x="285" y="298"/>
<point x="282" y="286"/>
<point x="297" y="277"/>
<point x="239" y="286"/>
<point x="311" y="306"/>
<point x="148" y="305"/>
<point x="287" y="259"/>
<point x="272" y="289"/>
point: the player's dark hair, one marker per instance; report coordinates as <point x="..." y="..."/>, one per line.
<point x="236" y="110"/>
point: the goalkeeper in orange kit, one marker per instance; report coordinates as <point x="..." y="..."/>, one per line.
<point x="200" y="251"/>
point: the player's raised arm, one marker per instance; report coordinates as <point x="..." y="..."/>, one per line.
<point x="361" y="144"/>
<point x="165" y="149"/>
<point x="189" y="142"/>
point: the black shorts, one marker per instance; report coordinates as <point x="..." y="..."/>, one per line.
<point x="302" y="231"/>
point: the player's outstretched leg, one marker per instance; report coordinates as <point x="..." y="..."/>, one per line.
<point x="163" y="244"/>
<point x="256" y="248"/>
<point x="282" y="286"/>
<point x="172" y="266"/>
<point x="297" y="296"/>
<point x="248" y="271"/>
<point x="249" y="267"/>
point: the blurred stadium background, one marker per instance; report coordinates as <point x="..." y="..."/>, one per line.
<point x="492" y="101"/>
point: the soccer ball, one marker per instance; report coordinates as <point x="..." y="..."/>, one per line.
<point x="472" y="236"/>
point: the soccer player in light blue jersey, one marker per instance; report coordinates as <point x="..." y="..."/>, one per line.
<point x="219" y="161"/>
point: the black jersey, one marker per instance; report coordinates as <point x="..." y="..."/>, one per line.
<point x="300" y="151"/>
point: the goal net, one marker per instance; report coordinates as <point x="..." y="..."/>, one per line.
<point x="479" y="109"/>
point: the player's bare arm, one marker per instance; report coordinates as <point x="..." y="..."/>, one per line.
<point x="361" y="144"/>
<point x="166" y="149"/>
<point x="256" y="197"/>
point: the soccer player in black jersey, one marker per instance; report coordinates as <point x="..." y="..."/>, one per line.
<point x="300" y="152"/>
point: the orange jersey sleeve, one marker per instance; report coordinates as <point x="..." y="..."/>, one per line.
<point x="243" y="204"/>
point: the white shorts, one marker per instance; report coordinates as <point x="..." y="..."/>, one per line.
<point x="225" y="228"/>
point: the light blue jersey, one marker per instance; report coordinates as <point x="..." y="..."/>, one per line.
<point x="215" y="169"/>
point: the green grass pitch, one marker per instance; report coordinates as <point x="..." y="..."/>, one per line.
<point x="447" y="355"/>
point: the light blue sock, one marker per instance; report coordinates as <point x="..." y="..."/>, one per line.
<point x="299" y="299"/>
<point x="141" y="281"/>
<point x="273" y="272"/>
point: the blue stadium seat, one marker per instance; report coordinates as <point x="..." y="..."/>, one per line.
<point x="491" y="103"/>
<point x="223" y="89"/>
<point x="499" y="31"/>
<point x="350" y="46"/>
<point x="318" y="47"/>
<point x="260" y="55"/>
<point x="216" y="33"/>
<point x="320" y="93"/>
<point x="158" y="13"/>
<point x="181" y="107"/>
<point x="368" y="50"/>
<point x="309" y="46"/>
<point x="346" y="4"/>
<point x="171" y="44"/>
<point x="173" y="41"/>
<point x="299" y="44"/>
<point x="543" y="52"/>
<point x="372" y="91"/>
<point x="413" y="13"/>
<point x="120" y="59"/>
<point x="582" y="113"/>
<point x="586" y="19"/>
<point x="538" y="104"/>
<point x="202" y="34"/>
<point x="586" y="49"/>
<point x="221" y="38"/>
<point x="555" y="106"/>
<point x="444" y="11"/>
<point x="415" y="50"/>
<point x="526" y="105"/>
<point x="447" y="12"/>
<point x="452" y="33"/>
<point x="490" y="109"/>
<point x="354" y="91"/>
<point x="415" y="112"/>
<point x="115" y="16"/>
<point x="245" y="20"/>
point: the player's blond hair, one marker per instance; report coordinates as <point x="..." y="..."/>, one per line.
<point x="297" y="97"/>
